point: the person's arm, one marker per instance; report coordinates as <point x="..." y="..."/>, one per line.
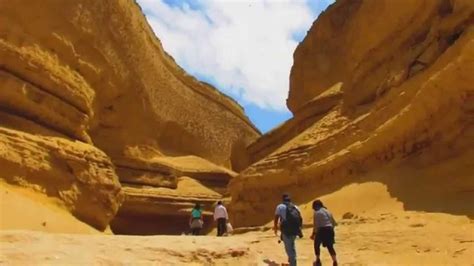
<point x="315" y="227"/>
<point x="333" y="221"/>
<point x="226" y="213"/>
<point x="275" y="223"/>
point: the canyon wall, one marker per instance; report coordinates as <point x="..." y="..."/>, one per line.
<point x="95" y="113"/>
<point x="375" y="84"/>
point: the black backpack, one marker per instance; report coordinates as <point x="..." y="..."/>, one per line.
<point x="292" y="224"/>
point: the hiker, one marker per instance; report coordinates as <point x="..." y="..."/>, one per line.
<point x="195" y="221"/>
<point x="288" y="218"/>
<point x="221" y="217"/>
<point x="323" y="232"/>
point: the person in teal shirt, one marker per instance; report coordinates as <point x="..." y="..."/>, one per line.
<point x="195" y="221"/>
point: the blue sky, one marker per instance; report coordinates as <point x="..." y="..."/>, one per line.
<point x="242" y="47"/>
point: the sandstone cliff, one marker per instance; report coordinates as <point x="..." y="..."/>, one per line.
<point x="375" y="85"/>
<point x="88" y="97"/>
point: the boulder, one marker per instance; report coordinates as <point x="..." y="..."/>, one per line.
<point x="79" y="174"/>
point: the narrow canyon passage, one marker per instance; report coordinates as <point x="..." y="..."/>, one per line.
<point x="107" y="143"/>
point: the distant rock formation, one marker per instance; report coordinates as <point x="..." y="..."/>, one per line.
<point x="159" y="197"/>
<point x="88" y="97"/>
<point x="373" y="83"/>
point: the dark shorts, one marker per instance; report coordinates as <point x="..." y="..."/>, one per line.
<point x="325" y="236"/>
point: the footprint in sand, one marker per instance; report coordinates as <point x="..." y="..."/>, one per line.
<point x="458" y="252"/>
<point x="464" y="241"/>
<point x="417" y="225"/>
<point x="271" y="262"/>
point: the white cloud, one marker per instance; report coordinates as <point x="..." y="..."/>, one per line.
<point x="245" y="46"/>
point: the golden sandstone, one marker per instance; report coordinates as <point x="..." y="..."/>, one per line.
<point x="393" y="91"/>
<point x="96" y="116"/>
<point x="89" y="98"/>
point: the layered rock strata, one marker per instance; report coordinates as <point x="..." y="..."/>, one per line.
<point x="302" y="119"/>
<point x="88" y="97"/>
<point x="405" y="75"/>
<point x="82" y="176"/>
<point x="159" y="197"/>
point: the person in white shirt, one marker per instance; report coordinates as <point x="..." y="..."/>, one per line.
<point x="221" y="217"/>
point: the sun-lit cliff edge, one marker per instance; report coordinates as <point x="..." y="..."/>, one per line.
<point x="381" y="91"/>
<point x="93" y="112"/>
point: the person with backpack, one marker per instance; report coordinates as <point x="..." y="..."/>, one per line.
<point x="288" y="218"/>
<point x="195" y="222"/>
<point x="221" y="217"/>
<point x="323" y="232"/>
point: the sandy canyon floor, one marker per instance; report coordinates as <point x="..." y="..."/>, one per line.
<point x="381" y="235"/>
<point x="405" y="238"/>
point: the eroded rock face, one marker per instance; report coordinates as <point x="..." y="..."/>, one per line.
<point x="159" y="197"/>
<point x="351" y="43"/>
<point x="103" y="59"/>
<point x="400" y="76"/>
<point x="90" y="79"/>
<point x="82" y="176"/>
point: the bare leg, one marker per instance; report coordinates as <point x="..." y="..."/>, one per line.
<point x="332" y="251"/>
<point x="317" y="251"/>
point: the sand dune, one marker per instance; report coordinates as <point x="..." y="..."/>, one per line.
<point x="22" y="208"/>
